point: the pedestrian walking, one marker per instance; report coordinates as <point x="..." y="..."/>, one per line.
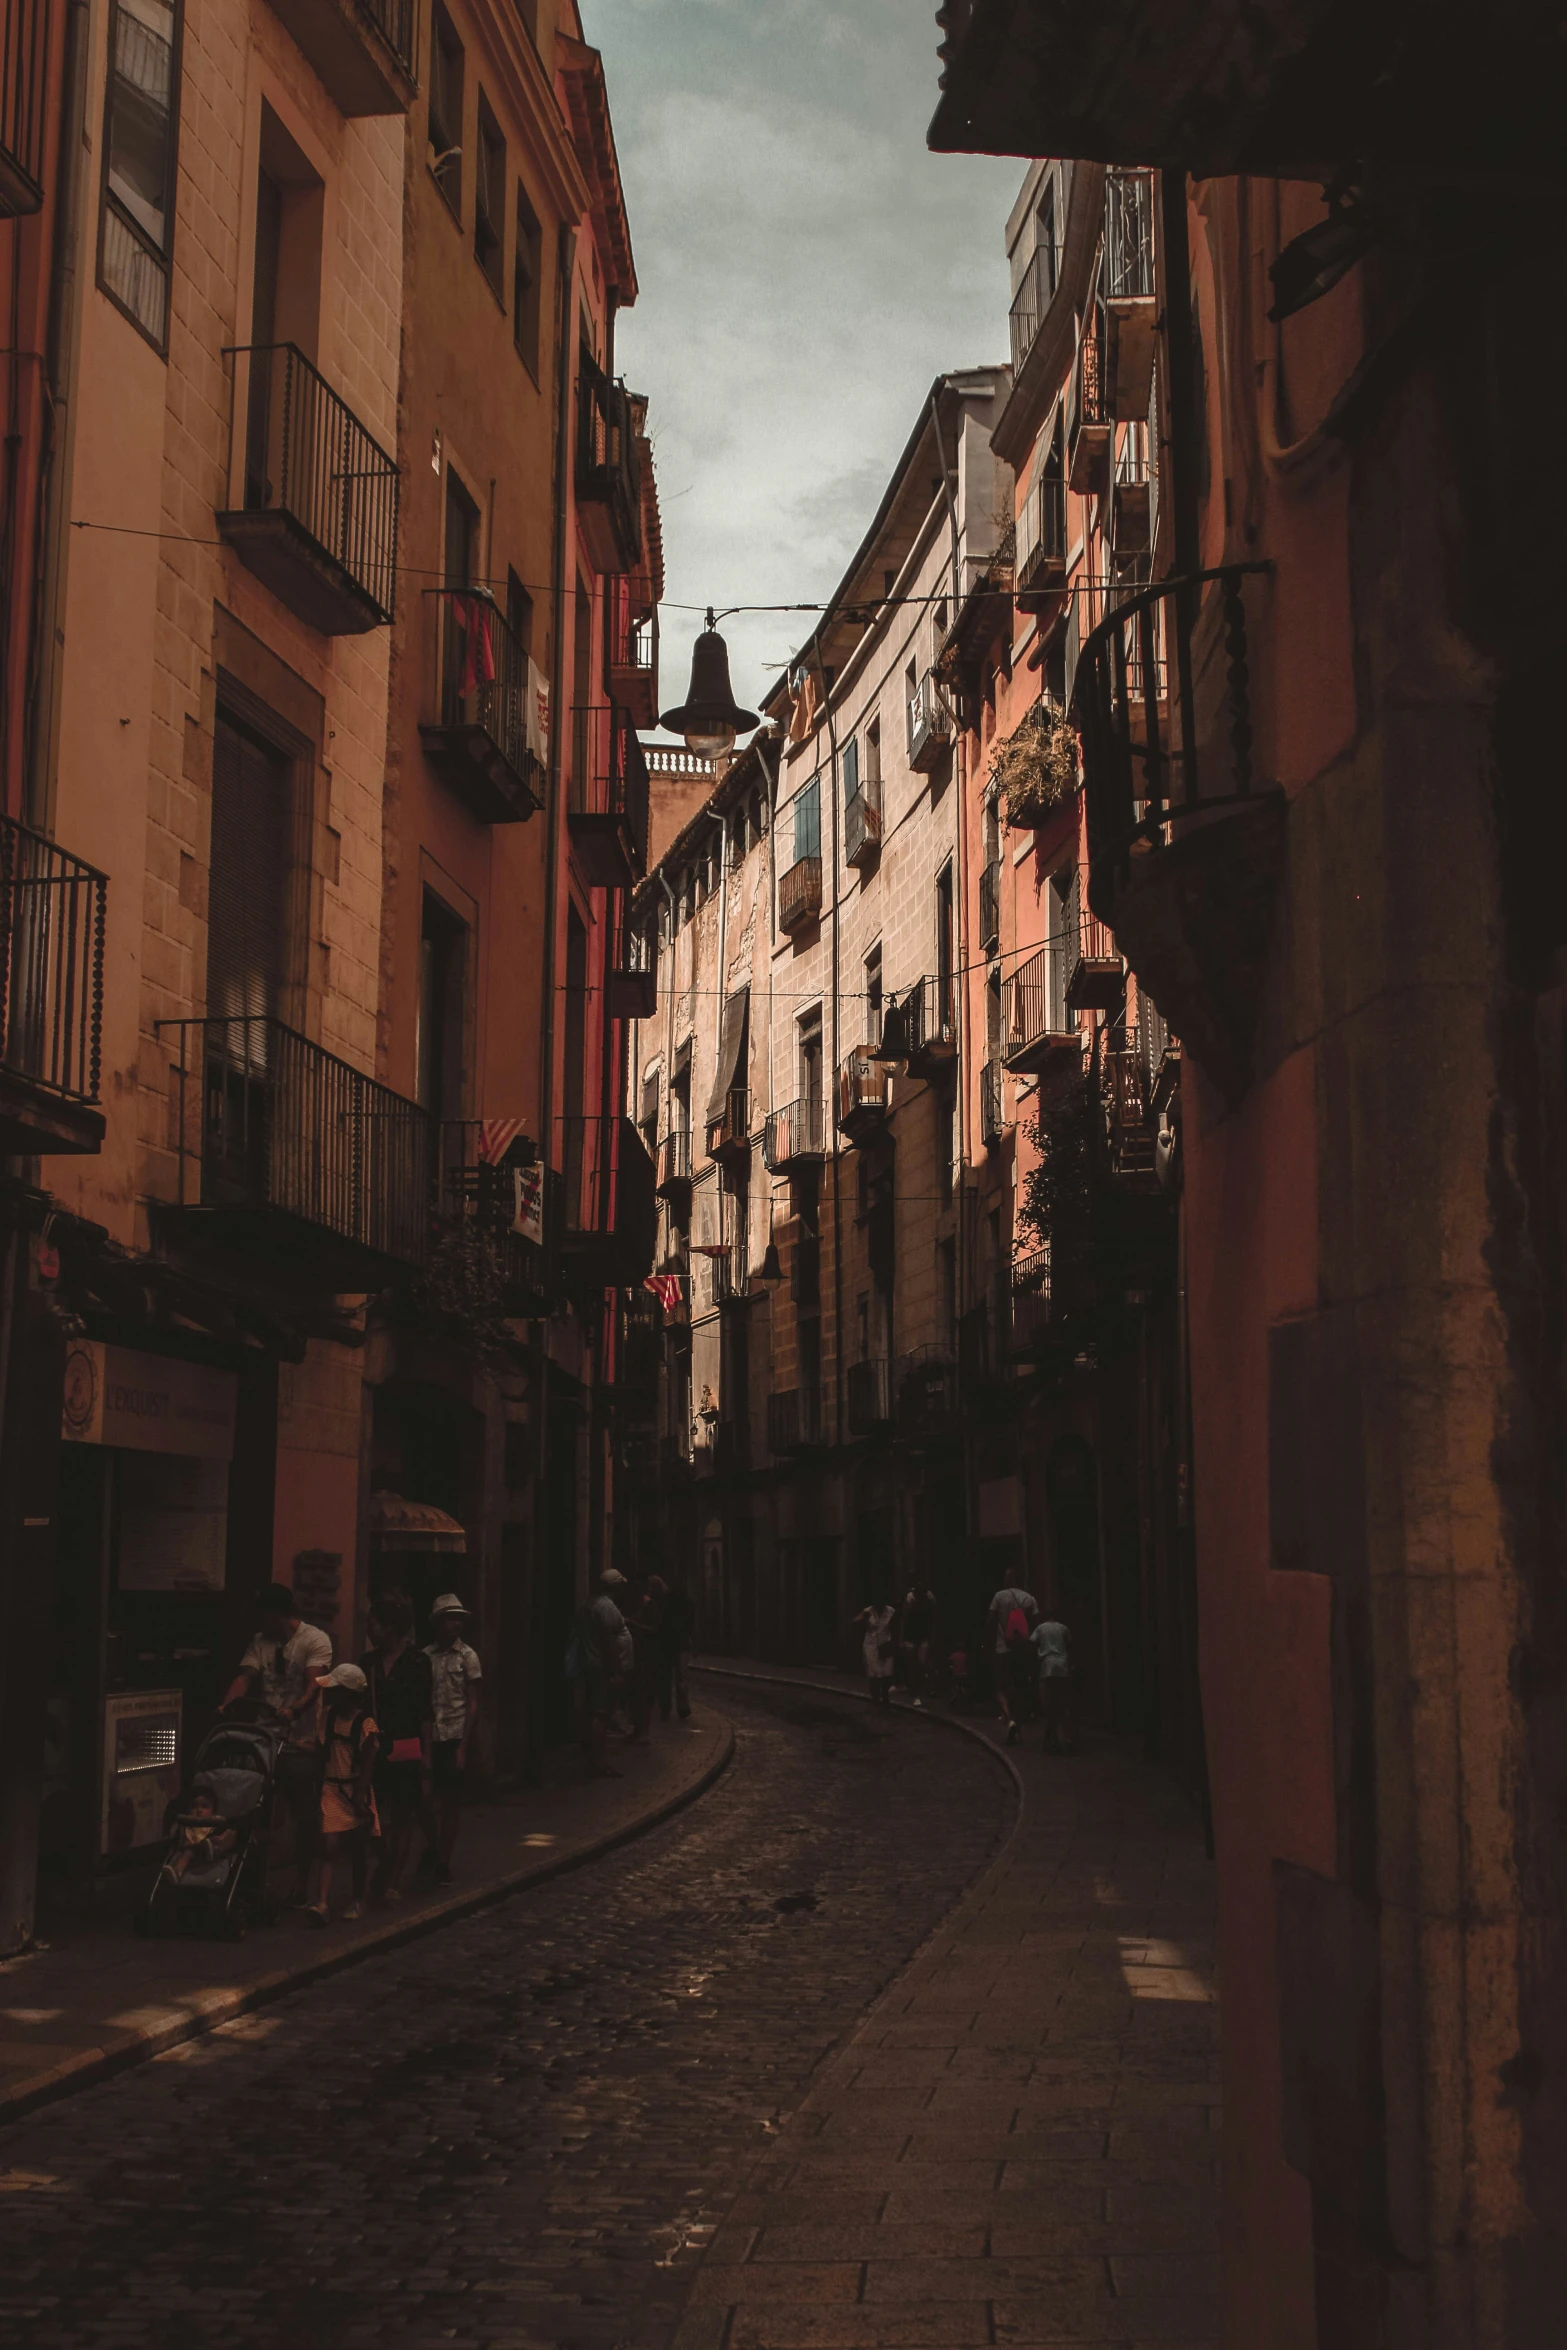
<point x="348" y="1739"/>
<point x="1053" y="1643"/>
<point x="279" y="1671"/>
<point x="591" y="1658"/>
<point x="674" y="1643"/>
<point x="878" y="1625"/>
<point x="455" y="1675"/>
<point x="402" y="1699"/>
<point x="1013" y="1615"/>
<point x="917" y="1646"/>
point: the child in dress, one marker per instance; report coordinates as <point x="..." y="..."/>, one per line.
<point x="349" y="1741"/>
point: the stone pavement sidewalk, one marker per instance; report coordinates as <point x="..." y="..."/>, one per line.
<point x="1019" y="2144"/>
<point x="98" y="1998"/>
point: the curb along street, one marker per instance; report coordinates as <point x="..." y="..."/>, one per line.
<point x="208" y="2010"/>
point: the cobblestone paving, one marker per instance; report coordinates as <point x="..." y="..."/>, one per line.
<point x="523" y="2131"/>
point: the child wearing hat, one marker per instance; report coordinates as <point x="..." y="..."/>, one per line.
<point x="349" y="1739"/>
<point x="455" y="1674"/>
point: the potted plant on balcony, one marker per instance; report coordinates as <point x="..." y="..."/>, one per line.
<point x="1035" y="770"/>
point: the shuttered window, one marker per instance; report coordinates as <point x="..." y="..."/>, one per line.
<point x="732" y="1054"/>
<point x="808" y="821"/>
<point x="246" y="927"/>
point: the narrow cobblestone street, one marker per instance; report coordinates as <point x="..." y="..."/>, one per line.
<point x="523" y="2130"/>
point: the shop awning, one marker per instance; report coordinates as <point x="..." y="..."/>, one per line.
<point x="399" y="1524"/>
<point x="731" y="1051"/>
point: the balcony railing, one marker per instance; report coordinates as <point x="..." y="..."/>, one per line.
<point x="608" y="1207"/>
<point x="729" y="1275"/>
<point x="1032" y="300"/>
<point x="862" y="823"/>
<point x="633" y="975"/>
<point x="607" y="800"/>
<point x="992" y="1102"/>
<point x="864" y="1094"/>
<point x="930" y="725"/>
<point x="314" y="497"/>
<point x="869" y="1396"/>
<point x="729" y="1126"/>
<point x="1133" y="1142"/>
<point x="489" y="735"/>
<point x="800" y="894"/>
<point x="1129" y="249"/>
<point x="921" y="1026"/>
<point x="283" y="1145"/>
<point x="494" y="1198"/>
<point x="633" y="665"/>
<point x="674" y="1164"/>
<point x="793" y="1133"/>
<point x="1087" y="420"/>
<point x="990" y="906"/>
<point x="1041" y="537"/>
<point x="1095" y="972"/>
<point x="24" y="105"/>
<point x="794" y="1419"/>
<point x="1030" y="1300"/>
<point x="609" y="473"/>
<point x="1040" y="1029"/>
<point x="52" y="910"/>
<point x="363" y="50"/>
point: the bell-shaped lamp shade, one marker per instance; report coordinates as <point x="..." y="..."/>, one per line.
<point x="709" y="717"/>
<point x="770" y="1270"/>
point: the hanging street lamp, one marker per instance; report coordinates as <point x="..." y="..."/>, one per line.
<point x="709" y="717"/>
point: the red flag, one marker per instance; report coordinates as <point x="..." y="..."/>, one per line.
<point x="478" y="660"/>
<point x="496" y="1136"/>
<point x="668" y="1288"/>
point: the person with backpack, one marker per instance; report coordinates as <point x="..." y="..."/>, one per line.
<point x="1013" y="1615"/>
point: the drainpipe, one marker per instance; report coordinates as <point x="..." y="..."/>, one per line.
<point x="837" y="1153"/>
<point x="60" y="377"/>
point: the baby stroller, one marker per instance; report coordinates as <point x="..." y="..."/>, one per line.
<point x="214" y="1874"/>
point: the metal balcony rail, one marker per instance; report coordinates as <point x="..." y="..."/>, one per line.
<point x="869" y="1396"/>
<point x="605" y="1213"/>
<point x="729" y="1127"/>
<point x="397" y="23"/>
<point x="992" y="1102"/>
<point x="674" y="1160"/>
<point x="308" y="457"/>
<point x="282" y="1125"/>
<point x="1036" y="1011"/>
<point x="1033" y="298"/>
<point x="930" y="721"/>
<point x="862" y="820"/>
<point x="52" y="910"/>
<point x="1030" y="1298"/>
<point x="794" y="1419"/>
<point x="1041" y="531"/>
<point x="609" y="471"/>
<point x="792" y="1133"/>
<point x="609" y="775"/>
<point x="1085" y="405"/>
<point x="729" y="1275"/>
<point x="800" y="893"/>
<point x="864" y="1090"/>
<point x="24" y="105"/>
<point x="1129" y="234"/>
<point x="990" y="905"/>
<point x="1162" y="696"/>
<point x="484" y="678"/>
<point x="636" y="644"/>
<point x="922" y="1024"/>
<point x="1085" y="938"/>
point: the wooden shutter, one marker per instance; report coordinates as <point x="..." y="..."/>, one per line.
<point x="731" y="1051"/>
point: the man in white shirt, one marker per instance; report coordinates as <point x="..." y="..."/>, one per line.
<point x="1013" y="1614"/>
<point x="280" y="1669"/>
<point x="455" y="1675"/>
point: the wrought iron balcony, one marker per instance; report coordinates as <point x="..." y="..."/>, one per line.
<point x="928" y="1395"/>
<point x="1185" y="848"/>
<point x="729" y="1126"/>
<point x="864" y="1095"/>
<point x="52" y="910"/>
<point x="794" y="1133"/>
<point x="794" y="1419"/>
<point x="1033" y="298"/>
<point x="288" y="1152"/>
<point x="1095" y="972"/>
<point x="674" y="1166"/>
<point x="1132" y="508"/>
<point x="489" y="737"/>
<point x="24" y="105"/>
<point x="800" y="895"/>
<point x="607" y="801"/>
<point x="862" y="823"/>
<point x="633" y="666"/>
<point x="930" y="726"/>
<point x="990" y="906"/>
<point x="1030" y="1300"/>
<point x="362" y="50"/>
<point x="1128" y="287"/>
<point x="1088" y="421"/>
<point x="608" y="1225"/>
<point x="633" y="977"/>
<point x="1133" y="1151"/>
<point x="608" y="474"/>
<point x="920" y="1027"/>
<point x="314" y="497"/>
<point x="1040" y="1032"/>
<point x="992" y="1102"/>
<point x="510" y="1202"/>
<point x="869" y="1396"/>
<point x="1041" y="541"/>
<point x="729" y="1275"/>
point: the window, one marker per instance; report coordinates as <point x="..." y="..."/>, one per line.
<point x="489" y="198"/>
<point x="446" y="80"/>
<point x="850" y="759"/>
<point x="808" y="821"/>
<point x="140" y="138"/>
<point x="527" y="275"/>
<point x="811" y="1068"/>
<point x="1046" y="243"/>
<point x="873" y="996"/>
<point x="873" y="752"/>
<point x="944" y="942"/>
<point x="247" y="882"/>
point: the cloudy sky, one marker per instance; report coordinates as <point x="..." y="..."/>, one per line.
<point x="806" y="269"/>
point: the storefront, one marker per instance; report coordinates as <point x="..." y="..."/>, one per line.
<point x="150" y="1596"/>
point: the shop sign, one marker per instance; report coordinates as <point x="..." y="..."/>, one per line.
<point x="147" y="1403"/>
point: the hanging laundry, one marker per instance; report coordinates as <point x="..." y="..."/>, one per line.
<point x="472" y="615"/>
<point x="496" y="1136"/>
